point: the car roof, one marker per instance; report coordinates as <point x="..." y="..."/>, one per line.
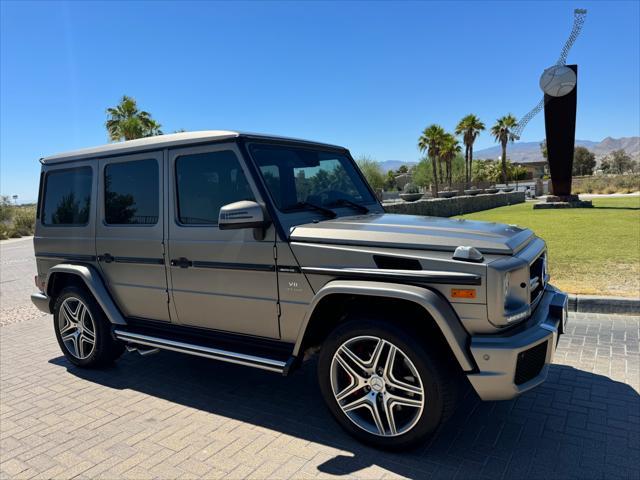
<point x="166" y="141"/>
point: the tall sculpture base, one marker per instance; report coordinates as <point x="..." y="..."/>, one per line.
<point x="563" y="201"/>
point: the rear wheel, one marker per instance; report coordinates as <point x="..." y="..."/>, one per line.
<point x="82" y="330"/>
<point x="382" y="385"/>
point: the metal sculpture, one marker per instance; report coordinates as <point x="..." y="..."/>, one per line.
<point x="579" y="16"/>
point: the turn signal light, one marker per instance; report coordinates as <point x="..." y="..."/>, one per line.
<point x="463" y="293"/>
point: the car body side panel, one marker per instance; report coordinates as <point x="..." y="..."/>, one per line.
<point x="96" y="286"/>
<point x="469" y="310"/>
<point x="137" y="278"/>
<point x="230" y="283"/>
<point x="294" y="291"/>
<point x="55" y="244"/>
<point x="434" y="305"/>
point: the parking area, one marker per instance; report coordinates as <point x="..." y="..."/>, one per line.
<point x="173" y="416"/>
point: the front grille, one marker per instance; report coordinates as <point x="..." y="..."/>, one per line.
<point x="530" y="363"/>
<point x="537" y="273"/>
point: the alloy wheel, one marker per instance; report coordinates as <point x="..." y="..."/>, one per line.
<point x="377" y="386"/>
<point x="77" y="328"/>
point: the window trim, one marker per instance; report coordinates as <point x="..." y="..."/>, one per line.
<point x="104" y="194"/>
<point x="176" y="158"/>
<point x="44" y="198"/>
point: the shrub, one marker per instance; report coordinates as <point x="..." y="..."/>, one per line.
<point x="372" y="172"/>
<point x="16" y="221"/>
<point x="411" y="188"/>
<point x="24" y="221"/>
<point x="607" y="184"/>
<point x="6" y="209"/>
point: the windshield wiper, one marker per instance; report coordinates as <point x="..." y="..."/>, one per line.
<point x="327" y="212"/>
<point x="349" y="203"/>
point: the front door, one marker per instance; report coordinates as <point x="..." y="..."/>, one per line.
<point x="219" y="279"/>
<point x="130" y="234"/>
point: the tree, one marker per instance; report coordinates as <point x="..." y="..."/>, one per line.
<point x="423" y="173"/>
<point x="518" y="172"/>
<point x="403" y="169"/>
<point x="503" y="133"/>
<point x="480" y="169"/>
<point x="469" y="127"/>
<point x="390" y="181"/>
<point x="430" y="142"/>
<point x="543" y="148"/>
<point x="372" y="172"/>
<point x="493" y="171"/>
<point x="449" y="149"/>
<point x="620" y="161"/>
<point x="584" y="161"/>
<point x="126" y="122"/>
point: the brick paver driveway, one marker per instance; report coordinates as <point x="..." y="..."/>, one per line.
<point x="170" y="416"/>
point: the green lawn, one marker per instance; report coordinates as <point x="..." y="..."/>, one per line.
<point x="591" y="251"/>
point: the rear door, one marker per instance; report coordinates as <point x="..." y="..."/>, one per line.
<point x="130" y="234"/>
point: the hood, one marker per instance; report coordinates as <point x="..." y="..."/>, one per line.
<point x="415" y="232"/>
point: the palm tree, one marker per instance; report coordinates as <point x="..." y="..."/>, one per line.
<point x="449" y="148"/>
<point x="127" y="122"/>
<point x="469" y="127"/>
<point x="503" y="133"/>
<point x="430" y="141"/>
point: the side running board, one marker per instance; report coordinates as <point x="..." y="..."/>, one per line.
<point x="263" y="363"/>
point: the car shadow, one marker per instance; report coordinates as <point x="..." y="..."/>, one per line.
<point x="576" y="424"/>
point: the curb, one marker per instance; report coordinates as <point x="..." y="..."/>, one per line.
<point x="596" y="304"/>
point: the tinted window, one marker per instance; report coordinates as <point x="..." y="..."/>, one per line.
<point x="206" y="182"/>
<point x="131" y="193"/>
<point x="67" y="197"/>
<point x="295" y="175"/>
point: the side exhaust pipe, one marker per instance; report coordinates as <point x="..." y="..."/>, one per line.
<point x="142" y="351"/>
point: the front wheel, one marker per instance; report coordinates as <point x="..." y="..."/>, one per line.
<point x="382" y="385"/>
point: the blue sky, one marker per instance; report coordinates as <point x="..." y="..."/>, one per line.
<point x="367" y="75"/>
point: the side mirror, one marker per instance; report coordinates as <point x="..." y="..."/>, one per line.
<point x="243" y="214"/>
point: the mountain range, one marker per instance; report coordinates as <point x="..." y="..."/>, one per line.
<point x="527" y="152"/>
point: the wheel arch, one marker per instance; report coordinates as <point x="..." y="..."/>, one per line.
<point x="333" y="300"/>
<point x="86" y="276"/>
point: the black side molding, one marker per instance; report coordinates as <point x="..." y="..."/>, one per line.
<point x="412" y="276"/>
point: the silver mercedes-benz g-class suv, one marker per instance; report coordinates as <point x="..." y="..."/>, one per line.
<point x="263" y="251"/>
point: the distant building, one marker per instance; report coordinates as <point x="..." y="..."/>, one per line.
<point x="535" y="169"/>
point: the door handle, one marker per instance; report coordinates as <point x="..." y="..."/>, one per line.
<point x="106" y="258"/>
<point x="181" y="262"/>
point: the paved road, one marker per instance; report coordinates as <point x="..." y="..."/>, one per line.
<point x="173" y="416"/>
<point x="17" y="269"/>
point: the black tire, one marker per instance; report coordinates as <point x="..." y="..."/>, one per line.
<point x="106" y="349"/>
<point x="440" y="380"/>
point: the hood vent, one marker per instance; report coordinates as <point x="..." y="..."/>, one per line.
<point x="396" y="263"/>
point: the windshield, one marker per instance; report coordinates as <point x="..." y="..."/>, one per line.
<point x="297" y="177"/>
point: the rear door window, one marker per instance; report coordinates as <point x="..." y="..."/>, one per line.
<point x="131" y="193"/>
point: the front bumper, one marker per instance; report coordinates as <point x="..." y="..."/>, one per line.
<point x="41" y="301"/>
<point x="518" y="360"/>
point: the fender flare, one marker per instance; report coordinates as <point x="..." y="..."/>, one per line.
<point x="438" y="308"/>
<point x="95" y="284"/>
